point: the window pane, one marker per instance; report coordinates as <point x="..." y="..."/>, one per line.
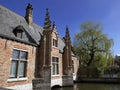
<point x="23" y="55"/>
<point x="13" y="72"/>
<point x="57" y="69"/>
<point x="53" y="69"/>
<point x="53" y="42"/>
<point x="53" y="59"/>
<point x="73" y="66"/>
<point x="56" y="43"/>
<point x="55" y="65"/>
<point x="22" y="69"/>
<point x="15" y="54"/>
<point x="19" y="34"/>
<point x="57" y="60"/>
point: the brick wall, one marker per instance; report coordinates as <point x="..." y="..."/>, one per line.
<point x="55" y="53"/>
<point x="6" y="48"/>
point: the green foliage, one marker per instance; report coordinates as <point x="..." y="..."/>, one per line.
<point x="103" y="62"/>
<point x="92" y="46"/>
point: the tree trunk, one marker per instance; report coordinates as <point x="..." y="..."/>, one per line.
<point x="91" y="59"/>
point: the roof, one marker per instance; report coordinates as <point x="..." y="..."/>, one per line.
<point x="61" y="44"/>
<point x="10" y="20"/>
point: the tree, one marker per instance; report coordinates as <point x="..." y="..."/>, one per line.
<point x="90" y="42"/>
<point x="104" y="63"/>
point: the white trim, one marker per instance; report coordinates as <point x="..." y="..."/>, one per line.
<point x="55" y="56"/>
<point x="20" y="49"/>
<point x="55" y="64"/>
<point x="56" y="75"/>
<point x="17" y="79"/>
<point x="56" y="82"/>
<point x="55" y="47"/>
<point x="21" y="87"/>
<point x="74" y="77"/>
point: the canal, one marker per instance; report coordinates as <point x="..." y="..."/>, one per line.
<point x="91" y="86"/>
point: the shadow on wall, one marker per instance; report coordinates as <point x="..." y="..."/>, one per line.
<point x="56" y="86"/>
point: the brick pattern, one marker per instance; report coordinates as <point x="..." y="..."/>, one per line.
<point x="6" y="48"/>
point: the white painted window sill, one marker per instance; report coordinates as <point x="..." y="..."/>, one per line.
<point x="55" y="75"/>
<point x="17" y="79"/>
<point x="73" y="73"/>
<point x="55" y="47"/>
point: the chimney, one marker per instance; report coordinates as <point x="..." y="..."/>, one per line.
<point x="28" y="16"/>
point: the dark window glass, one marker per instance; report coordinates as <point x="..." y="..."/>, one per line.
<point x="55" y="42"/>
<point x="15" y="54"/>
<point x="73" y="66"/>
<point x="23" y="55"/>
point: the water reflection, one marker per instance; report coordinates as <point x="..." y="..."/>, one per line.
<point x="89" y="86"/>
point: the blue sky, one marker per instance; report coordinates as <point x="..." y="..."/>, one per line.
<point x="73" y="13"/>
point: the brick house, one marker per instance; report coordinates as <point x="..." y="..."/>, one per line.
<point x="30" y="53"/>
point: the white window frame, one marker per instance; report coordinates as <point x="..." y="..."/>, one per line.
<point x="25" y="68"/>
<point x="56" y="65"/>
<point x="54" y="42"/>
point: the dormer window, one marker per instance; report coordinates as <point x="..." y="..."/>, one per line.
<point x="55" y="43"/>
<point x="19" y="34"/>
<point x="18" y="31"/>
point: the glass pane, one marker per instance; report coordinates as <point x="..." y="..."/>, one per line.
<point x="53" y="42"/>
<point x="15" y="54"/>
<point x="56" y="43"/>
<point x="22" y="69"/>
<point x="57" y="69"/>
<point x="13" y="70"/>
<point x="19" y="34"/>
<point x="23" y="55"/>
<point x="53" y="69"/>
<point x="53" y="59"/>
<point x="57" y="60"/>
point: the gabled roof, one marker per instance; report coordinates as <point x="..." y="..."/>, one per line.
<point x="10" y="20"/>
<point x="61" y="44"/>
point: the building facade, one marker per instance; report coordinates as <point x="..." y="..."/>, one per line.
<point x="32" y="56"/>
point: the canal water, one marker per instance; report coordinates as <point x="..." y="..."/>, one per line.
<point x="91" y="86"/>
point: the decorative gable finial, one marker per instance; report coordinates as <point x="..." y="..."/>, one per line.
<point x="47" y="22"/>
<point x="67" y="36"/>
<point x="54" y="28"/>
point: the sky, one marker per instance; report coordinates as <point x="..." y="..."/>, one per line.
<point x="73" y="13"/>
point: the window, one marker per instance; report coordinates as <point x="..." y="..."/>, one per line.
<point x="18" y="64"/>
<point x="73" y="66"/>
<point x="55" y="43"/>
<point x="18" y="31"/>
<point x="55" y="66"/>
<point x="19" y="34"/>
